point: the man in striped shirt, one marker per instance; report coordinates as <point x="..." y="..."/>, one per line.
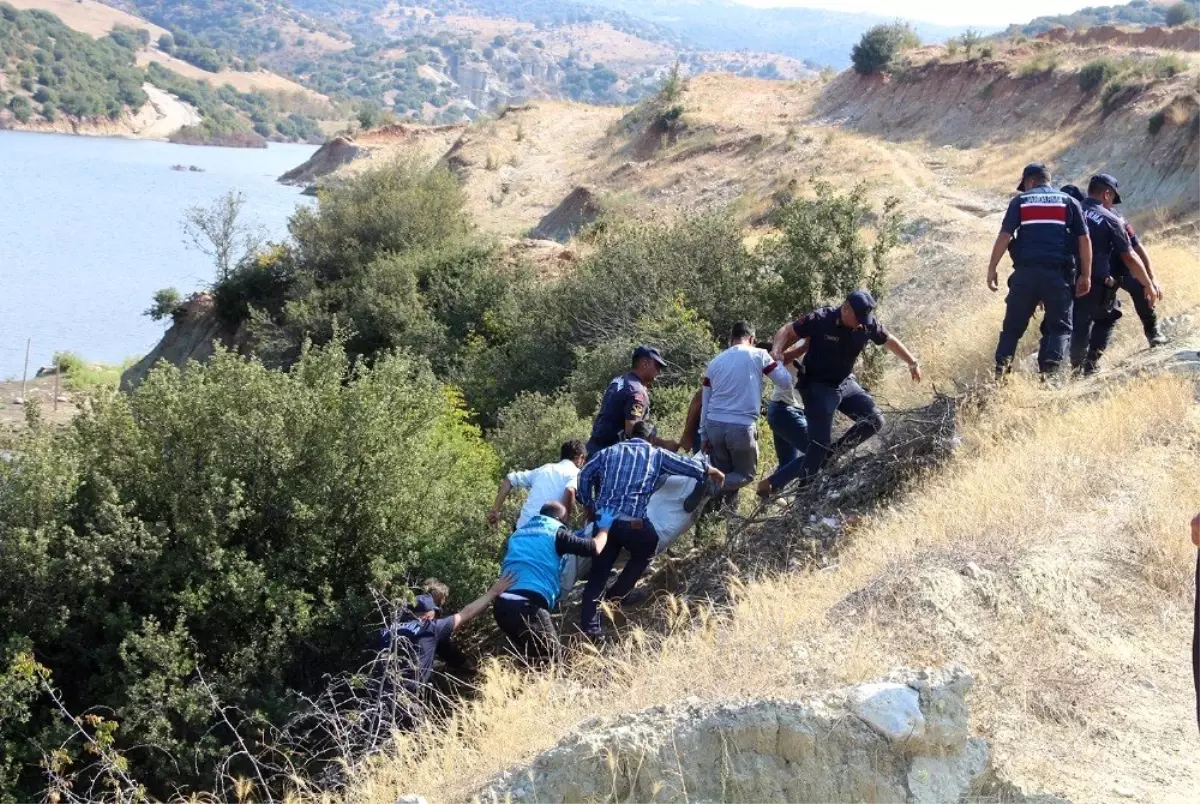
<point x="620" y="479"/>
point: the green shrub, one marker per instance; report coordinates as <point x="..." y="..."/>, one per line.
<point x="164" y="304"/>
<point x="1113" y="93"/>
<point x="232" y="518"/>
<point x="1180" y="14"/>
<point x="1156" y="122"/>
<point x="820" y="253"/>
<point x="1096" y="73"/>
<point x="880" y="45"/>
<point x="531" y="428"/>
<point x="21" y="108"/>
<point x="1168" y="66"/>
<point x="1040" y="65"/>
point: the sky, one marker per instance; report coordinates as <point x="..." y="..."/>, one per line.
<point x="946" y="13"/>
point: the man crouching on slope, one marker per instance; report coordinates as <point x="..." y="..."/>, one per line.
<point x="836" y="337"/>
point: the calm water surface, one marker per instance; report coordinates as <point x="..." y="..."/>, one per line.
<point x="90" y="227"/>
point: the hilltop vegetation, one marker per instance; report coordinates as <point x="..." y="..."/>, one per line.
<point x="1137" y="12"/>
<point x="53" y="70"/>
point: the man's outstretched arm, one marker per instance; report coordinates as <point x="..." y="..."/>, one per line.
<point x="897" y="348"/>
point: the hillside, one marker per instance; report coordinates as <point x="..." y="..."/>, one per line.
<point x="105" y="77"/>
<point x="1052" y="562"/>
<point x="1136" y="13"/>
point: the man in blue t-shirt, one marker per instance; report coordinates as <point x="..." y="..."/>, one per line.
<point x="627" y="401"/>
<point x="835" y="337"/>
<point x="1097" y="312"/>
<point x="531" y="557"/>
<point x="1046" y="231"/>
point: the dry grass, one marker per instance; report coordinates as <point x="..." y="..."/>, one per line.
<point x="1081" y="540"/>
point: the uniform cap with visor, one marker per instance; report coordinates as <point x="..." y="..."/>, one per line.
<point x="650" y="352"/>
<point x="1032" y="169"/>
<point x="863" y="305"/>
<point x="1110" y="180"/>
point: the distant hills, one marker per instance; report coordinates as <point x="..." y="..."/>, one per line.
<point x="818" y="36"/>
<point x="1138" y="12"/>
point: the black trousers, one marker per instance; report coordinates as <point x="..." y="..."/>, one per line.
<point x="1196" y="641"/>
<point x="528" y="626"/>
<point x="640" y="542"/>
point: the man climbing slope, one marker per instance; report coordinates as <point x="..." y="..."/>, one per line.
<point x="1096" y="313"/>
<point x="627" y="401"/>
<point x="730" y="404"/>
<point x="620" y="480"/>
<point x="836" y="337"/>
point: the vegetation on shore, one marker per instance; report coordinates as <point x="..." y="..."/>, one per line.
<point x="53" y="71"/>
<point x="221" y="533"/>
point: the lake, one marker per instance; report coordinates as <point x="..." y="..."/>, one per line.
<point x="91" y="227"/>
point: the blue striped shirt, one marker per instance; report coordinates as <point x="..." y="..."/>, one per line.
<point x="622" y="477"/>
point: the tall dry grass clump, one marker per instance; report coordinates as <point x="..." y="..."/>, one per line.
<point x="1048" y="557"/>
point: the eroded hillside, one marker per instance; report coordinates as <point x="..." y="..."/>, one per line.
<point x="1049" y="554"/>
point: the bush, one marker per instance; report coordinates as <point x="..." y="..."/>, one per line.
<point x="531" y="428"/>
<point x="1096" y="73"/>
<point x="1168" y="66"/>
<point x="165" y="302"/>
<point x="1156" y="122"/>
<point x="880" y="45"/>
<point x="21" y="108"/>
<point x="820" y="253"/>
<point x="1179" y="14"/>
<point x="231" y="518"/>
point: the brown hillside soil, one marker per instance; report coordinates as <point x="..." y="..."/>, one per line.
<point x="1074" y="501"/>
<point x="1183" y="38"/>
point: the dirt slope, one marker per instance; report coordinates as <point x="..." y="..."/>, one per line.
<point x="1050" y="555"/>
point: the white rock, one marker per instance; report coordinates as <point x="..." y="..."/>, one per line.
<point x="892" y="710"/>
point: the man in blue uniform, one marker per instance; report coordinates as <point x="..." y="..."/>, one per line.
<point x="532" y="559"/>
<point x="1097" y="312"/>
<point x="627" y="401"/>
<point x="1047" y="231"/>
<point x="1128" y="283"/>
<point x="422" y="632"/>
<point x="835" y="337"/>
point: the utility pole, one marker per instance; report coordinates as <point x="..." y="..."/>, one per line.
<point x="25" y="371"/>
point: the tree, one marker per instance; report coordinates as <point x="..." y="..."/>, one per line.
<point x="166" y="301"/>
<point x="1179" y="14"/>
<point x="220" y="232"/>
<point x="21" y="108"/>
<point x="970" y="39"/>
<point x="820" y="253"/>
<point x="881" y="44"/>
<point x="166" y="43"/>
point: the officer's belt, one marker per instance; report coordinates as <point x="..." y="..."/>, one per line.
<point x="634" y="524"/>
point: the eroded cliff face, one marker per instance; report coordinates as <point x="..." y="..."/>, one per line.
<point x="1044" y="113"/>
<point x="195" y="332"/>
<point x="905" y="738"/>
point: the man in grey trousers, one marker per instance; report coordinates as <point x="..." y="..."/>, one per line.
<point x="731" y="399"/>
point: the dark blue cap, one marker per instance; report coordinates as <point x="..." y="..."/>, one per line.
<point x="1032" y="169"/>
<point x="425" y="604"/>
<point x="1111" y="181"/>
<point x="650" y="352"/>
<point x="1073" y="191"/>
<point x="863" y="305"/>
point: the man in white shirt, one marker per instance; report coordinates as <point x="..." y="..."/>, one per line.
<point x="551" y="482"/>
<point x="731" y="399"/>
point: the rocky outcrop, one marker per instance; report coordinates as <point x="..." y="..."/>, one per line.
<point x="328" y="158"/>
<point x="563" y="222"/>
<point x="903" y="739"/>
<point x="194" y="334"/>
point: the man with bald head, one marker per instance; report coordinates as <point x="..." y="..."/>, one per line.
<point x="532" y="559"/>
